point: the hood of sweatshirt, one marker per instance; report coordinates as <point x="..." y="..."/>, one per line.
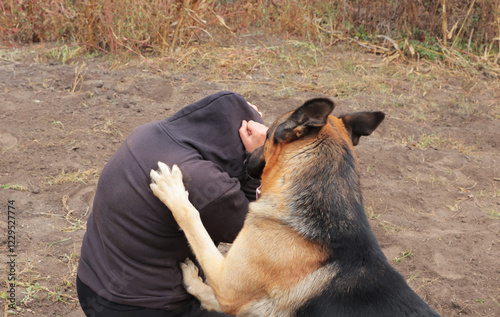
<point x="211" y="126"/>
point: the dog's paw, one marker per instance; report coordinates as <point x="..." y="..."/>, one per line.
<point x="190" y="277"/>
<point x="167" y="185"/>
<point x="195" y="286"/>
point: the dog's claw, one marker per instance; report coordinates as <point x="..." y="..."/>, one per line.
<point x="166" y="179"/>
<point x="165" y="169"/>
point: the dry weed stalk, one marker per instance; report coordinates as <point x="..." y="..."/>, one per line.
<point x="75" y="223"/>
<point x="184" y="7"/>
<point x="80" y="72"/>
<point x="160" y="26"/>
<point x="445" y="27"/>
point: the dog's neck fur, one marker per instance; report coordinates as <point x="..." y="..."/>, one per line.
<point x="316" y="187"/>
<point x="330" y="196"/>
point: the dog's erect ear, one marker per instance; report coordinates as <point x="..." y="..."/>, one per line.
<point x="312" y="114"/>
<point x="362" y="123"/>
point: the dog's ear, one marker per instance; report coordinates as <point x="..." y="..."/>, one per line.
<point x="362" y="123"/>
<point x="312" y="114"/>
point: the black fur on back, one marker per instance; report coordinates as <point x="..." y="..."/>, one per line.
<point x="366" y="284"/>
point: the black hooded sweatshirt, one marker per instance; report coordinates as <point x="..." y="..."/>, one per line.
<point x="132" y="248"/>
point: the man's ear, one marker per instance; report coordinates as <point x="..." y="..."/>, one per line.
<point x="362" y="123"/>
<point x="312" y="114"/>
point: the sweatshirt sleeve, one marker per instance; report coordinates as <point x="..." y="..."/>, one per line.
<point x="220" y="199"/>
<point x="224" y="217"/>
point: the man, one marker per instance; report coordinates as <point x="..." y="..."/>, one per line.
<point x="130" y="256"/>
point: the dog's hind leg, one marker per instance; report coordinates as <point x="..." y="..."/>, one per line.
<point x="196" y="287"/>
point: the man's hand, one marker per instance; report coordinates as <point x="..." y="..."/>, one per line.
<point x="252" y="134"/>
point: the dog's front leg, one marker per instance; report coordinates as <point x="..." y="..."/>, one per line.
<point x="167" y="185"/>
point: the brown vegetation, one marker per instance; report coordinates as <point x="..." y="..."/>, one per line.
<point x="429" y="29"/>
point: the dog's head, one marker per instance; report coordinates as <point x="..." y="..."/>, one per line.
<point x="303" y="131"/>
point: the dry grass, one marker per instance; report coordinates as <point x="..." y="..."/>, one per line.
<point x="237" y="44"/>
<point x="76" y="177"/>
<point x="14" y="187"/>
<point x="457" y="32"/>
<point x="436" y="142"/>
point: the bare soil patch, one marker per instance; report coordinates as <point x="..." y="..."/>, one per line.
<point x="430" y="173"/>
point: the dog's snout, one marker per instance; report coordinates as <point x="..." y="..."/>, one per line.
<point x="255" y="163"/>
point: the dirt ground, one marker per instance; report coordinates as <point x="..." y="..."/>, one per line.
<point x="430" y="173"/>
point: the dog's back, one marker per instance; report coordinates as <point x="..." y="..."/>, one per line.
<point x="366" y="285"/>
<point x="393" y="298"/>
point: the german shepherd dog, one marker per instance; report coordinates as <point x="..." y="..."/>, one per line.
<point x="306" y="247"/>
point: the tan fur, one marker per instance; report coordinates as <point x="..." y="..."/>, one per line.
<point x="270" y="270"/>
<point x="195" y="286"/>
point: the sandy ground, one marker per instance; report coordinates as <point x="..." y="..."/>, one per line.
<point x="430" y="173"/>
